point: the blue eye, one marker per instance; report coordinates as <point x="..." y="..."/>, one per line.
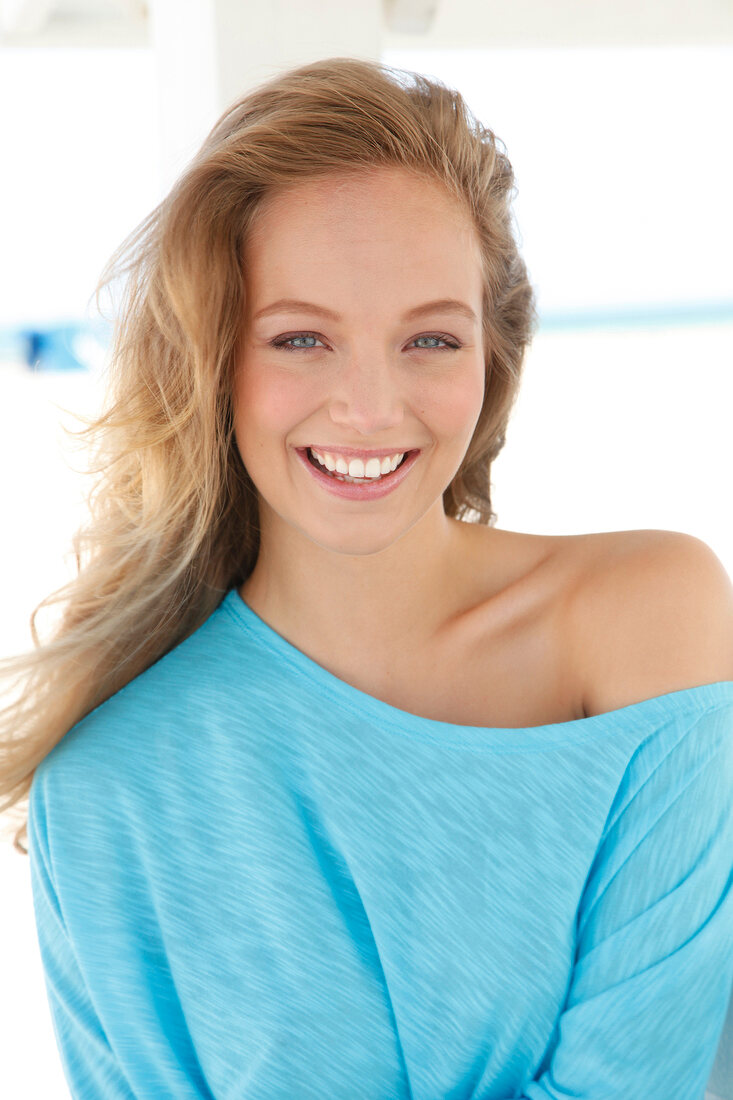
<point x="446" y="340"/>
<point x="285" y="341"/>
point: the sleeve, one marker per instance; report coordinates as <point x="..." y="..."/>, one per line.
<point x="90" y="1066"/>
<point x="653" y="965"/>
<point x="112" y="1008"/>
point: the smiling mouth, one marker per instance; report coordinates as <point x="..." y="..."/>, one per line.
<point x="353" y="480"/>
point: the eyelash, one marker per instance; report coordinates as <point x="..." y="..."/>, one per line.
<point x="282" y="341"/>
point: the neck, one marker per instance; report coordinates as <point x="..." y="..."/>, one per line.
<point x="374" y="603"/>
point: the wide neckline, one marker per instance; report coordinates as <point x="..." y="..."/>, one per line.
<point x="360" y="703"/>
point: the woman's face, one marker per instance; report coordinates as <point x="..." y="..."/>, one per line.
<point x="361" y="368"/>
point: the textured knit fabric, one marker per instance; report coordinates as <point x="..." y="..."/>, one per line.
<point x="253" y="881"/>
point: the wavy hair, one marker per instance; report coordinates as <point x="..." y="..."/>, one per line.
<point x="173" y="512"/>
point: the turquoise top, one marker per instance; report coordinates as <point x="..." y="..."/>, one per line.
<point x="253" y="881"/>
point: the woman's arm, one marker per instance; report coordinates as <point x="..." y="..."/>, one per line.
<point x="653" y="970"/>
<point x="118" y="1024"/>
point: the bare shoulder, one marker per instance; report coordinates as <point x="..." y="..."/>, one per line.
<point x="652" y="613"/>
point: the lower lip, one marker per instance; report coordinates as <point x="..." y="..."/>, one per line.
<point x="369" y="490"/>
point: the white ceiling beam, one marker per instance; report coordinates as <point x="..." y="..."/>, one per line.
<point x="25" y="16"/>
<point x="405" y="24"/>
<point x="96" y="24"/>
<point x="517" y="24"/>
<point x="409" y="16"/>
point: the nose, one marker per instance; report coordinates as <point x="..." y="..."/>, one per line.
<point x="367" y="397"/>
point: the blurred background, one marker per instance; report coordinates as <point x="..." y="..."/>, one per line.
<point x="614" y="114"/>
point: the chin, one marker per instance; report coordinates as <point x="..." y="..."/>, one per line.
<point x="373" y="538"/>
<point x="353" y="545"/>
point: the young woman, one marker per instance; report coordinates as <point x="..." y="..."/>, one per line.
<point x="335" y="788"/>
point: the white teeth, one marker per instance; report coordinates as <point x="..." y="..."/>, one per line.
<point x="355" y="467"/>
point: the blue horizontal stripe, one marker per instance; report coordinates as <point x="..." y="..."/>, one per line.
<point x="642" y="315"/>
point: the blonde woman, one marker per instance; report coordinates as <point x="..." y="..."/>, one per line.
<point x="336" y="789"/>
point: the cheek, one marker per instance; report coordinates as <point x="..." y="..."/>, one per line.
<point x="455" y="403"/>
<point x="266" y="404"/>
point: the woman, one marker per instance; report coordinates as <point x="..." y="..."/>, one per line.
<point x="347" y="792"/>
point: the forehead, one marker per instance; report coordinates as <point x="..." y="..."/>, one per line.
<point x="381" y="218"/>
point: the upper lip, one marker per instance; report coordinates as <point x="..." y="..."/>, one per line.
<point x="354" y="452"/>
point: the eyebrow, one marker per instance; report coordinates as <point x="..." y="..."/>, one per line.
<point x="440" y="305"/>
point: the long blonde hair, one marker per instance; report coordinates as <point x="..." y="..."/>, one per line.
<point x="173" y="512"/>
